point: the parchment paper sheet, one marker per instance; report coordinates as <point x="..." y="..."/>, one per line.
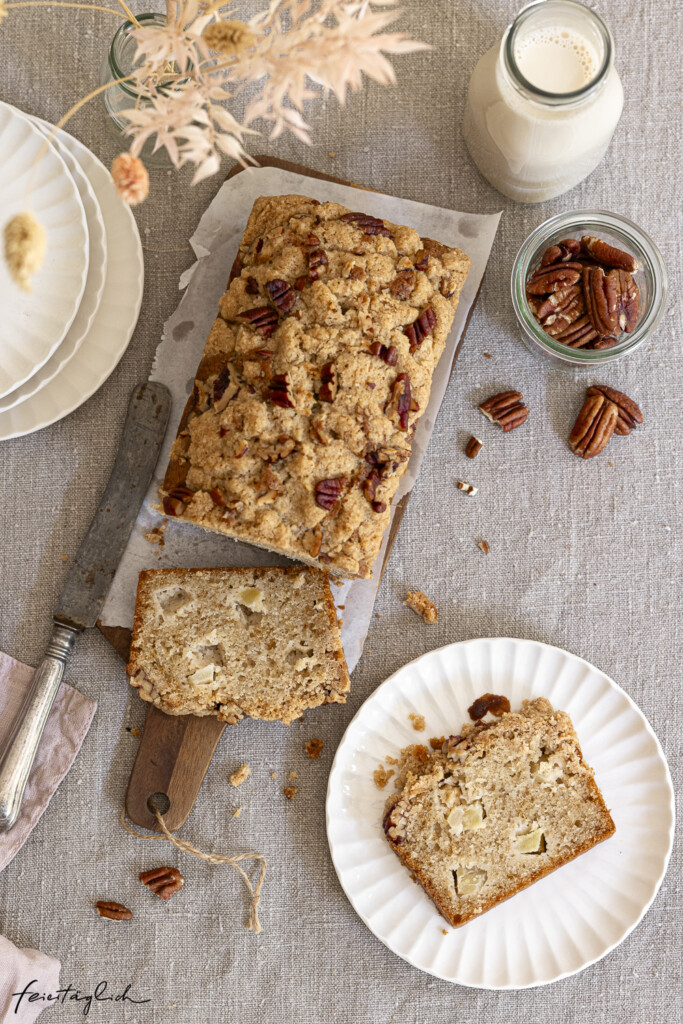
<point x="215" y="243"/>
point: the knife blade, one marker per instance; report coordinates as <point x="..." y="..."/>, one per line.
<point x="88" y="583"/>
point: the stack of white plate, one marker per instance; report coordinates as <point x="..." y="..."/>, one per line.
<point x="61" y="341"/>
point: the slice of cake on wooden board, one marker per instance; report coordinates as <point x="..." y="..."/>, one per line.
<point x="236" y="642"/>
<point x="496" y="808"/>
<point x="312" y="381"/>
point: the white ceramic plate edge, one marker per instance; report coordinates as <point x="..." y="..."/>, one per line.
<point x="82" y="244"/>
<point x="375" y="697"/>
<point x="26" y="418"/>
<point x="94" y="283"/>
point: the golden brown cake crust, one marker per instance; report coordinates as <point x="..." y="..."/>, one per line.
<point x="312" y="381"/>
<point x="464" y="813"/>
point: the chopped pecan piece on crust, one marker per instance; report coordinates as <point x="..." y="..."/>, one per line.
<point x="594" y="426"/>
<point x="389" y="353"/>
<point x="420" y="328"/>
<point x="421" y="260"/>
<point x="403" y="284"/>
<point x="370" y="225"/>
<point x="493" y="702"/>
<point x="328" y="492"/>
<point x="629" y="411"/>
<point x="506" y="409"/>
<point x="175" y="502"/>
<point x="278" y="391"/>
<point x="317" y="259"/>
<point x="282" y="294"/>
<point x="263" y="318"/>
<point x="251" y="287"/>
<point x="329" y="383"/>
<point x="397" y="407"/>
<point x="608" y="254"/>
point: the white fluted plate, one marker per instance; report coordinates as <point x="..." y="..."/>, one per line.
<point x="565" y="921"/>
<point x="94" y="282"/>
<point x="114" y="322"/>
<point x="33" y="176"/>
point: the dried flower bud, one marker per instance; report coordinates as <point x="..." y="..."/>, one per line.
<point x="131" y="178"/>
<point x="25" y="244"/>
<point x="229" y="37"/>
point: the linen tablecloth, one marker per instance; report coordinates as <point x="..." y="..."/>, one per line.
<point x="586" y="556"/>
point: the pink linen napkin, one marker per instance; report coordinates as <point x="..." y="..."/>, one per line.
<point x="20" y="968"/>
<point x="66" y="728"/>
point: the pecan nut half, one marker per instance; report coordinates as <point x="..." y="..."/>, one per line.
<point x="370" y="225"/>
<point x="263" y="318"/>
<point x="162" y="881"/>
<point x="114" y="911"/>
<point x="328" y="492"/>
<point x="594" y="426"/>
<point x="600" y="293"/>
<point x="628" y="299"/>
<point x="561" y="252"/>
<point x="420" y="328"/>
<point x="608" y="254"/>
<point x="506" y="409"/>
<point x="553" y="278"/>
<point x="629" y="411"/>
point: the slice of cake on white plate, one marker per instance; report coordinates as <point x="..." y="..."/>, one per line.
<point x="262" y="642"/>
<point x="496" y="808"/>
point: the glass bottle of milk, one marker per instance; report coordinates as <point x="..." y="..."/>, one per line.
<point x="543" y="103"/>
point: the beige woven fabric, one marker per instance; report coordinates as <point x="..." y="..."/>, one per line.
<point x="586" y="556"/>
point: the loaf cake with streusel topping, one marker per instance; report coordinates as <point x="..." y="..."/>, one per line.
<point x="262" y="643"/>
<point x="496" y="808"/>
<point x="312" y="381"/>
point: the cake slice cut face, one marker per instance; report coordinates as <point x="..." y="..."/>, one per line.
<point x="263" y="643"/>
<point x="498" y="807"/>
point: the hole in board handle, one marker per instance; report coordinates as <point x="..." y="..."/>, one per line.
<point x="158" y="802"/>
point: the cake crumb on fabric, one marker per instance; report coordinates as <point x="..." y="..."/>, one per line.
<point x="293" y="775"/>
<point x="314" y="748"/>
<point x="273" y="775"/>
<point x="291" y="791"/>
<point x="241" y="775"/>
<point x="236" y="813"/>
<point x="382" y="775"/>
<point x="418" y="722"/>
<point x="421" y="604"/>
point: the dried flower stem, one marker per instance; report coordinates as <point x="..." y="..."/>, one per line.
<point x="84" y="7"/>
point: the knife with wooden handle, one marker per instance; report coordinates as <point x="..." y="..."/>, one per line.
<point x="87" y="584"/>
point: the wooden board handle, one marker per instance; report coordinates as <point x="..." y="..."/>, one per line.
<point x="173" y="757"/>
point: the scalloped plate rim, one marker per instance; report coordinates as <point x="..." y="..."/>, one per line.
<point x="373" y="698"/>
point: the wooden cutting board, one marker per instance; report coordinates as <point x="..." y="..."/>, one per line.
<point x="175" y="751"/>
